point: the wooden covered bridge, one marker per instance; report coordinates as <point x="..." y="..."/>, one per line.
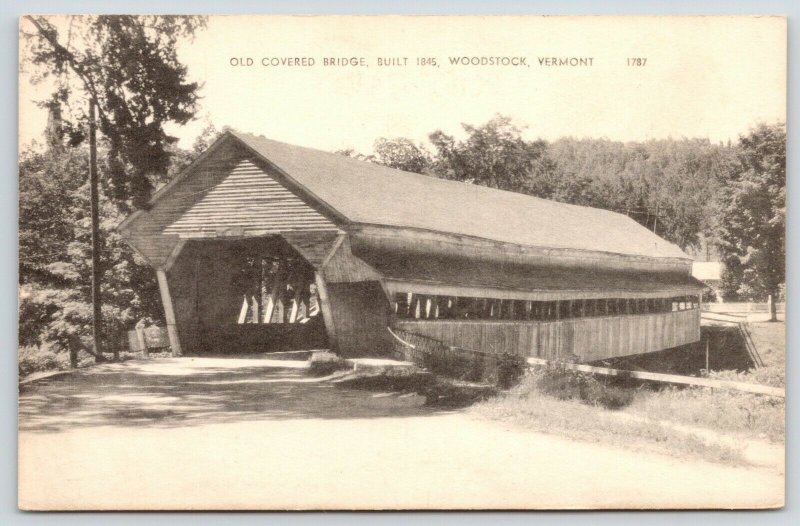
<point x="262" y="246"/>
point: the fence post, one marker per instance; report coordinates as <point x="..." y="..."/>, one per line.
<point x="142" y="342"/>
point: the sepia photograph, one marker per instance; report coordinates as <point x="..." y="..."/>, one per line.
<point x="401" y="262"/>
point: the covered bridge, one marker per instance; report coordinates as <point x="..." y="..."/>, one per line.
<point x="262" y="246"/>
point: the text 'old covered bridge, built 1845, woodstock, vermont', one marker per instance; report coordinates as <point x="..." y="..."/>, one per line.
<point x="262" y="246"/>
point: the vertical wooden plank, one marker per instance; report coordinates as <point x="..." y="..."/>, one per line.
<point x="169" y="313"/>
<point x="325" y="307"/>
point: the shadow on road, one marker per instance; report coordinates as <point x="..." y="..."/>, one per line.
<point x="186" y="391"/>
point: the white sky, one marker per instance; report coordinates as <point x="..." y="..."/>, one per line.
<point x="705" y="77"/>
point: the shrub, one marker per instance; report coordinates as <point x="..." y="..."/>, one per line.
<point x="438" y="392"/>
<point x="456" y="365"/>
<point x="510" y="368"/>
<point x="326" y="364"/>
<point x="565" y="384"/>
<point x="34" y="359"/>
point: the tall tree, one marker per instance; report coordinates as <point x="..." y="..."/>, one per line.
<point x="494" y="155"/>
<point x="126" y="67"/>
<point x="752" y="222"/>
<point x="129" y="66"/>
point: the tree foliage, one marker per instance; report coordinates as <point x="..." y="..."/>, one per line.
<point x="55" y="245"/>
<point x="667" y="185"/>
<point x="129" y="66"/>
<point x="752" y="220"/>
<point x="494" y="155"/>
<point x="403" y="154"/>
<point x="688" y="191"/>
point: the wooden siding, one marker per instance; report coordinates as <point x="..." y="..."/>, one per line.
<point x="367" y="193"/>
<point x="248" y="202"/>
<point x="587" y="339"/>
<point x="228" y="194"/>
<point x="145" y="232"/>
<point x="360" y="313"/>
<point x="343" y="266"/>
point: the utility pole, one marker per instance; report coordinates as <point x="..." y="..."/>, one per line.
<point x="97" y="319"/>
<point x="655" y="221"/>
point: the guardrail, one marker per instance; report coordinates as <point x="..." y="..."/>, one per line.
<point x="413" y="347"/>
<point x="744" y="307"/>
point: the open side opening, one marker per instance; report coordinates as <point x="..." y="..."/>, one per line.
<point x="247" y="296"/>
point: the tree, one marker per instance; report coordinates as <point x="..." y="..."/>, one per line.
<point x="666" y="185"/>
<point x="752" y="223"/>
<point x="55" y="275"/>
<point x="128" y="65"/>
<point x="403" y="154"/>
<point x="127" y="68"/>
<point x="494" y="155"/>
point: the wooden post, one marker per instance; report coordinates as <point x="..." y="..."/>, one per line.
<point x="655" y="221"/>
<point x="773" y="311"/>
<point x="707" y="357"/>
<point x="169" y="313"/>
<point x="94" y="194"/>
<point x="142" y="341"/>
<point x="325" y="307"/>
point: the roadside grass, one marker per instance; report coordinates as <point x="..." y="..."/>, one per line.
<point x="745" y="414"/>
<point x="637" y="415"/>
<point x="770" y="338"/>
<point x="528" y="407"/>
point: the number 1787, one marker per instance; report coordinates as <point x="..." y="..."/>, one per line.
<point x="637" y="61"/>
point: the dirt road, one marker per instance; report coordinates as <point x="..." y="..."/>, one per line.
<point x="256" y="434"/>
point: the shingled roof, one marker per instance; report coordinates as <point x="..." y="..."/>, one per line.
<point x="368" y="193"/>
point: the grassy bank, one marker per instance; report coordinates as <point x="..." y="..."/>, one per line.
<point x="591" y="409"/>
<point x="743" y="414"/>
